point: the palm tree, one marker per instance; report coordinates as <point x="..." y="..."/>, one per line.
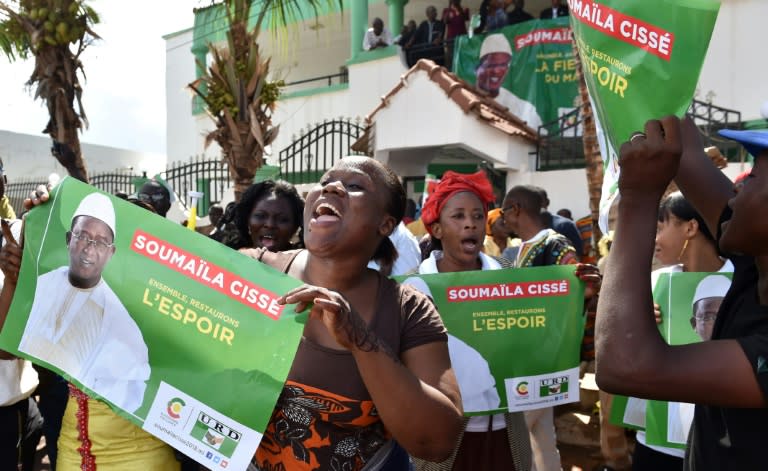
<point x="237" y="89"/>
<point x="55" y="32"/>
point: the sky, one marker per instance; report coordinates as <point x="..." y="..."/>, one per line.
<point x="124" y="93"/>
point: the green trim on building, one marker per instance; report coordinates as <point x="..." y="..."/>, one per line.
<point x="439" y="169"/>
<point x="266" y="172"/>
<point x="211" y="21"/>
<point x="299" y="178"/>
<point x="315" y="91"/>
<point x="374" y="55"/>
<point x="756" y="124"/>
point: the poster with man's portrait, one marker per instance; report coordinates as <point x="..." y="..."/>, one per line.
<point x="176" y="332"/>
<point x="689" y="303"/>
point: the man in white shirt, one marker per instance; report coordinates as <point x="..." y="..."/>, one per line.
<point x="495" y="57"/>
<point x="377" y="36"/>
<point x="78" y="324"/>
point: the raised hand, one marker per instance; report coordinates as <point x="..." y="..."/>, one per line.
<point x="37" y="197"/>
<point x="341" y="321"/>
<point x="10" y="254"/>
<point x="649" y="160"/>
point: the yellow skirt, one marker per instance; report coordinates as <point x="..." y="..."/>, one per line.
<point x="106" y="441"/>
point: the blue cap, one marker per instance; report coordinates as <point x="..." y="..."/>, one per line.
<point x="754" y="141"/>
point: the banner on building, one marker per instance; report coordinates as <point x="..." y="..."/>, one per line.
<point x="514" y="334"/>
<point x="528" y="67"/>
<point x="641" y="61"/>
<point x="179" y="334"/>
<point x="689" y="303"/>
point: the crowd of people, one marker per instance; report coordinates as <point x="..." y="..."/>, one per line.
<point x="434" y="37"/>
<point x="400" y="375"/>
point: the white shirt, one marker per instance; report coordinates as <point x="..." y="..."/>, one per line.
<point x="520" y="108"/>
<point x="476" y="383"/>
<point x="17" y="377"/>
<point x="371" y="39"/>
<point x="408" y="251"/>
<point x="89" y="335"/>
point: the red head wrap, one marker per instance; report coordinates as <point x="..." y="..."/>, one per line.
<point x="449" y="185"/>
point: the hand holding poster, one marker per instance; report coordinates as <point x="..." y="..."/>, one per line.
<point x="125" y="305"/>
<point x="514" y="335"/>
<point x="641" y="61"/>
<point x="689" y="303"/>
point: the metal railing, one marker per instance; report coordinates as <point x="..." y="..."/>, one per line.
<point x="710" y="119"/>
<point x="208" y="176"/>
<point x="560" y="143"/>
<point x="18" y="189"/>
<point x="317" y="82"/>
<point x="316" y="150"/>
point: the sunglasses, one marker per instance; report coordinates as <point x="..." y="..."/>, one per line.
<point x="150" y="196"/>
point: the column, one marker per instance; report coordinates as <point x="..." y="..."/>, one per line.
<point x="396" y="21"/>
<point x="358" y="21"/>
<point x="200" y="53"/>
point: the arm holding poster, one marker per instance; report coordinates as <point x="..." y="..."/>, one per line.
<point x="374" y="357"/>
<point x="121" y="377"/>
<point x="633" y="359"/>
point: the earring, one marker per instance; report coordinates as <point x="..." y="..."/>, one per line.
<point x="685" y="246"/>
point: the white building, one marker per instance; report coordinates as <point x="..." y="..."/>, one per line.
<point x="321" y="47"/>
<point x="29" y="156"/>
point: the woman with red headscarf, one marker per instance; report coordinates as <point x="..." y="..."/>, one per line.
<point x="455" y="216"/>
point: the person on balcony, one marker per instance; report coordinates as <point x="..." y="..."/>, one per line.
<point x="427" y="42"/>
<point x="377" y="36"/>
<point x="455" y="18"/>
<point x="518" y="14"/>
<point x="495" y="57"/>
<point x="555" y="11"/>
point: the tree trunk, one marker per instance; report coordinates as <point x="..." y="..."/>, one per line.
<point x="592" y="157"/>
<point x="56" y="76"/>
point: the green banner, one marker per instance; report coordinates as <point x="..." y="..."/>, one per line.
<point x="528" y="67"/>
<point x="689" y="303"/>
<point x="514" y="335"/>
<point x="641" y="61"/>
<point x="179" y="334"/>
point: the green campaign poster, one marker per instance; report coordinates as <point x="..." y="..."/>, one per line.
<point x="688" y="316"/>
<point x="514" y="335"/>
<point x="641" y="61"/>
<point x="528" y="67"/>
<point x="688" y="302"/>
<point x="179" y="334"/>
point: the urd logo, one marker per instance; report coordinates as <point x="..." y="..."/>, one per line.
<point x="215" y="434"/>
<point x="553" y="386"/>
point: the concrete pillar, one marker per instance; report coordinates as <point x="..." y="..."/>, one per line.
<point x="201" y="55"/>
<point x="358" y="21"/>
<point x="396" y="21"/>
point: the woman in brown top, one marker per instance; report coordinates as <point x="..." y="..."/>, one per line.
<point x="373" y="364"/>
<point x="372" y="370"/>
